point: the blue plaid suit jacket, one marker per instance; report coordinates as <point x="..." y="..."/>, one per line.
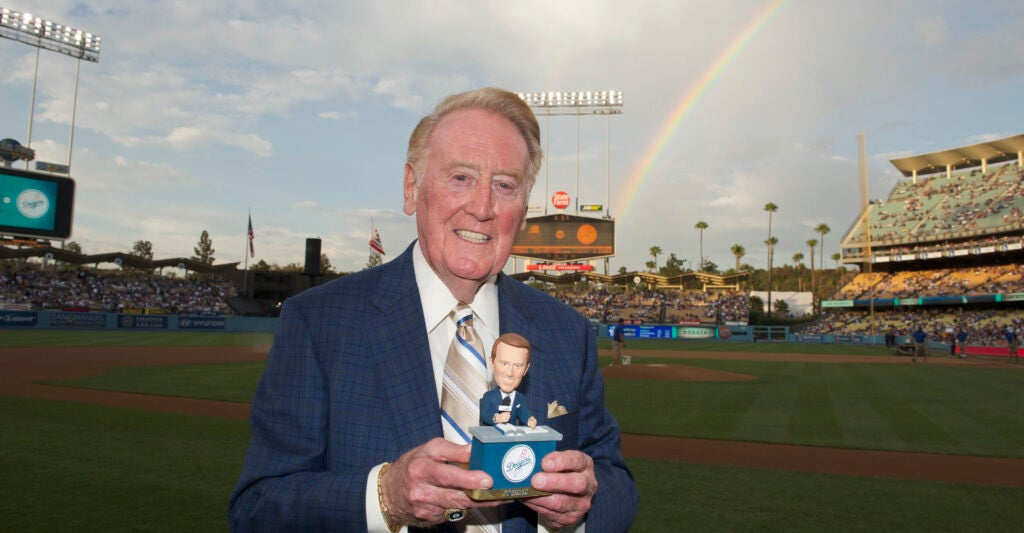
<point x="349" y="384"/>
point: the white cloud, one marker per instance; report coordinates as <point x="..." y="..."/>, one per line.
<point x="299" y="112"/>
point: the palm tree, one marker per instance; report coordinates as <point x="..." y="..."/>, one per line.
<point x="651" y="265"/>
<point x="822" y="229"/>
<point x="701" y="226"/>
<point x="738" y="251"/>
<point x="797" y="259"/>
<point x="655" y="252"/>
<point x="836" y="257"/>
<point x="811" y="243"/>
<point x="770" y="242"/>
<point x="770" y="208"/>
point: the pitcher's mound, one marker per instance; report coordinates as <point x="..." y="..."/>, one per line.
<point x="671" y="373"/>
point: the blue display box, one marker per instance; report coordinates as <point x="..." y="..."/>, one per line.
<point x="510" y="459"/>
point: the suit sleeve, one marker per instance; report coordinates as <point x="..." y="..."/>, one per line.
<point x="488" y="408"/>
<point x="285" y="485"/>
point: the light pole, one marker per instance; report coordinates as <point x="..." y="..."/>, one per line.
<point x="46" y="35"/>
<point x="578" y="103"/>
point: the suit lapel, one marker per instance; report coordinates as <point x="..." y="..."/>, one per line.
<point x="511" y="308"/>
<point x="403" y="355"/>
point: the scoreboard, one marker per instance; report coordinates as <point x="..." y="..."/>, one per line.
<point x="566" y="238"/>
<point x="668" y="332"/>
<point x="35" y="204"/>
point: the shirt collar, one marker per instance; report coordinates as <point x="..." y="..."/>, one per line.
<point x="438" y="302"/>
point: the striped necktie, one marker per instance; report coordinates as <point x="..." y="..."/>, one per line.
<point x="466" y="379"/>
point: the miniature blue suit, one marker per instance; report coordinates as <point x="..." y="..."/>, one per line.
<point x="489" y="407"/>
<point x="349" y="384"/>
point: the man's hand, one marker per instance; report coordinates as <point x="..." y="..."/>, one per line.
<point x="532" y="422"/>
<point x="421" y="484"/>
<point x="502" y="417"/>
<point x="569" y="477"/>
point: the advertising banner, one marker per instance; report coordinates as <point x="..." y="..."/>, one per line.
<point x="142" y="322"/>
<point x="665" y="332"/>
<point x="78" y="320"/>
<point x="202" y="322"/>
<point x="18" y="318"/>
<point x="561" y="267"/>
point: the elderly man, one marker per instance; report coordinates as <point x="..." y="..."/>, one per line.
<point x="359" y="420"/>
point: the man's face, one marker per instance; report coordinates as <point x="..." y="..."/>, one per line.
<point x="471" y="199"/>
<point x="510" y="365"/>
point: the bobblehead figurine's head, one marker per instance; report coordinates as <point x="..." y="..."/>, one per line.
<point x="510" y="359"/>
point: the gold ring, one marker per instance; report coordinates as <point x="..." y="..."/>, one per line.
<point x="454" y="515"/>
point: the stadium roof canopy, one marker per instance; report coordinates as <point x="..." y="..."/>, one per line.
<point x="998" y="151"/>
<point x="119" y="258"/>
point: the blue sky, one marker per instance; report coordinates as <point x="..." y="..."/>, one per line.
<point x="199" y="112"/>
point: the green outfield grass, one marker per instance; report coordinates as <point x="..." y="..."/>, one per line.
<point x="920" y="408"/>
<point x="92" y="468"/>
<point x="36" y="337"/>
<point x="706" y="498"/>
<point x="229" y="382"/>
<point x="80" y="467"/>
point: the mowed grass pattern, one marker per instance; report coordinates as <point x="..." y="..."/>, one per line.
<point x="41" y="337"/>
<point x="920" y="408"/>
<point x="89" y="468"/>
<point x="229" y="382"/>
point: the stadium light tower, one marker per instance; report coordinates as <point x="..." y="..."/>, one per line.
<point x="46" y="35"/>
<point x="578" y="103"/>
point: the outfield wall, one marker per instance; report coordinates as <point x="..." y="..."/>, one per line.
<point x="71" y="320"/>
<point x="681" y="332"/>
<point x="136" y="322"/>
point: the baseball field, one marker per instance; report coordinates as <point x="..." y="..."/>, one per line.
<point x="123" y="431"/>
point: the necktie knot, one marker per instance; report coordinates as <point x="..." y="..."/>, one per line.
<point x="463" y="315"/>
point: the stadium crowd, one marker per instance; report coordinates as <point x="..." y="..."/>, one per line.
<point x="993" y="279"/>
<point x="985" y="327"/>
<point x="118" y="291"/>
<point x="658" y="306"/>
<point x="927" y="209"/>
<point x="114" y="291"/>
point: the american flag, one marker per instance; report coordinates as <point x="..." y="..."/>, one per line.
<point x="375" y="243"/>
<point x="252" y="238"/>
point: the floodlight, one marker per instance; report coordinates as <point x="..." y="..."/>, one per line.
<point x="46" y="35"/>
<point x="552" y="103"/>
<point x="574" y="102"/>
<point x="34" y="31"/>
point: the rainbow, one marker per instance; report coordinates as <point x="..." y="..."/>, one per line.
<point x="690" y="98"/>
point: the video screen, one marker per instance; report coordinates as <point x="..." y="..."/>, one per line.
<point x="35" y="204"/>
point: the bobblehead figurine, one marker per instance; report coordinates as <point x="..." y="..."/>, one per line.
<point x="509" y="445"/>
<point x="510" y="359"/>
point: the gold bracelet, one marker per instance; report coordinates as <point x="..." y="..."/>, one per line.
<point x="392" y="526"/>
